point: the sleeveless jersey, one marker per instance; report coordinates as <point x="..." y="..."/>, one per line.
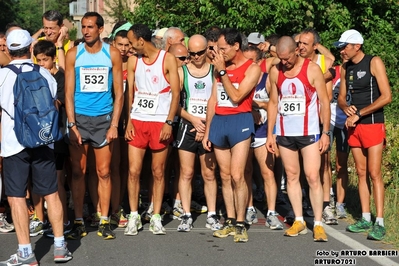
<point x="263" y="66"/>
<point x="224" y="106"/>
<point x="196" y="92"/>
<point x="363" y="88"/>
<point x="261" y="95"/>
<point x="298" y="106"/>
<point x="338" y="117"/>
<point x="93" y="81"/>
<point x="152" y="96"/>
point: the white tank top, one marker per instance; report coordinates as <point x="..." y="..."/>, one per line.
<point x="152" y="96"/>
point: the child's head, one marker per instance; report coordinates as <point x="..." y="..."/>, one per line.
<point x="45" y="54"/>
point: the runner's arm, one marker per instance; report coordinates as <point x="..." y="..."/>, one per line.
<point x="117" y="79"/>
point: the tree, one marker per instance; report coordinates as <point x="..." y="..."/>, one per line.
<point x="115" y="9"/>
<point x="7" y="12"/>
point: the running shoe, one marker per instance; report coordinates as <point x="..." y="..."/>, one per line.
<point x="319" y="235"/>
<point x="147" y="215"/>
<point x="78" y="231"/>
<point x="289" y="217"/>
<point x="198" y="208"/>
<point x="62" y="254"/>
<point x="104" y="230"/>
<point x="5" y="227"/>
<point x="241" y="235"/>
<point x="377" y="232"/>
<point x="227" y="230"/>
<point x="17" y="259"/>
<point x="273" y="222"/>
<point x="251" y="216"/>
<point x="156" y="226"/>
<point x="95" y="219"/>
<point x="118" y="218"/>
<point x="298" y="228"/>
<point x="360" y="226"/>
<point x="67" y="229"/>
<point x="134" y="225"/>
<point x="37" y="227"/>
<point x="213" y="223"/>
<point x="186" y="224"/>
<point x="177" y="212"/>
<point x="328" y="216"/>
<point x="340" y="210"/>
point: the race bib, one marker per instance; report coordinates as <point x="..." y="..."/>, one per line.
<point x="293" y="106"/>
<point x="197" y="107"/>
<point x="94" y="79"/>
<point x="223" y="97"/>
<point x="145" y="102"/>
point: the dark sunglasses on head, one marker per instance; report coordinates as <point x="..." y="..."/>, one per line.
<point x="182" y="58"/>
<point x="197" y="53"/>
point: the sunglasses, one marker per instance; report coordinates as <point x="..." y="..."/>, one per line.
<point x="197" y="53"/>
<point x="182" y="58"/>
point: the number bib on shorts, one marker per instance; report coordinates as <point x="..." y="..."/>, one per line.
<point x="223" y="97"/>
<point x="145" y="102"/>
<point x="293" y="106"/>
<point x="197" y="107"/>
<point x="94" y="79"/>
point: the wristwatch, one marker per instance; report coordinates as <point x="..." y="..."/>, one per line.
<point x="71" y="124"/>
<point x="328" y="133"/>
<point x="358" y="114"/>
<point x="169" y="122"/>
<point x="222" y="73"/>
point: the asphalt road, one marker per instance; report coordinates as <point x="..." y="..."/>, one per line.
<point x="199" y="247"/>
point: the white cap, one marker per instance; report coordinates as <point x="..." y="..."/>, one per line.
<point x="256" y="38"/>
<point x="160" y="33"/>
<point x="349" y="36"/>
<point x="18" y="39"/>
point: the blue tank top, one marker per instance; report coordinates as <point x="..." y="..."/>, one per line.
<point x="93" y="81"/>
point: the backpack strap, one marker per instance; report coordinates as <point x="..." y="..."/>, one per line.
<point x="13" y="68"/>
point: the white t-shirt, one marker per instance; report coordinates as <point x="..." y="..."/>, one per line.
<point x="9" y="143"/>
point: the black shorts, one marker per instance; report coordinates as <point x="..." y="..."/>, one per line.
<point x="93" y="129"/>
<point x="297" y="142"/>
<point x="186" y="140"/>
<point x="38" y="163"/>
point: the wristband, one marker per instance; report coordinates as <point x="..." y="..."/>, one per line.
<point x="358" y="114"/>
<point x="60" y="48"/>
<point x="269" y="49"/>
<point x="333" y="72"/>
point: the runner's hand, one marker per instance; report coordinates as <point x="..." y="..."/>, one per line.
<point x="112" y="134"/>
<point x="206" y="143"/>
<point x="198" y="124"/>
<point x="74" y="136"/>
<point x="129" y="133"/>
<point x="166" y="133"/>
<point x="271" y="145"/>
<point x="199" y="137"/>
<point x="324" y="143"/>
<point x="218" y="60"/>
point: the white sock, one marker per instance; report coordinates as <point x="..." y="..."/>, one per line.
<point x="317" y="223"/>
<point x="251" y="208"/>
<point x="59" y="241"/>
<point x="25" y="250"/>
<point x="270" y="212"/>
<point x="366" y="216"/>
<point x="103" y="218"/>
<point x="187" y="214"/>
<point x="211" y="213"/>
<point x="299" y="218"/>
<point x="331" y="191"/>
<point x="380" y="221"/>
<point x="134" y="213"/>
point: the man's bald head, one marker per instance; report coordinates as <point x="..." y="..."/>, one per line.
<point x="178" y="49"/>
<point x="286" y="44"/>
<point x="197" y="42"/>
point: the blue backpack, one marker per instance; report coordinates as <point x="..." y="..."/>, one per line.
<point x="35" y="115"/>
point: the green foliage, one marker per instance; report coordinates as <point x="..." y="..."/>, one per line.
<point x="115" y="9"/>
<point x="28" y="13"/>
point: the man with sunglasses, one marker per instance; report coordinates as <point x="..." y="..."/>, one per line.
<point x="230" y="126"/>
<point x="180" y="52"/>
<point x="196" y="80"/>
<point x="366" y="79"/>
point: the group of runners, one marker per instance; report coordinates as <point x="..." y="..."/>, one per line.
<point x="140" y="105"/>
